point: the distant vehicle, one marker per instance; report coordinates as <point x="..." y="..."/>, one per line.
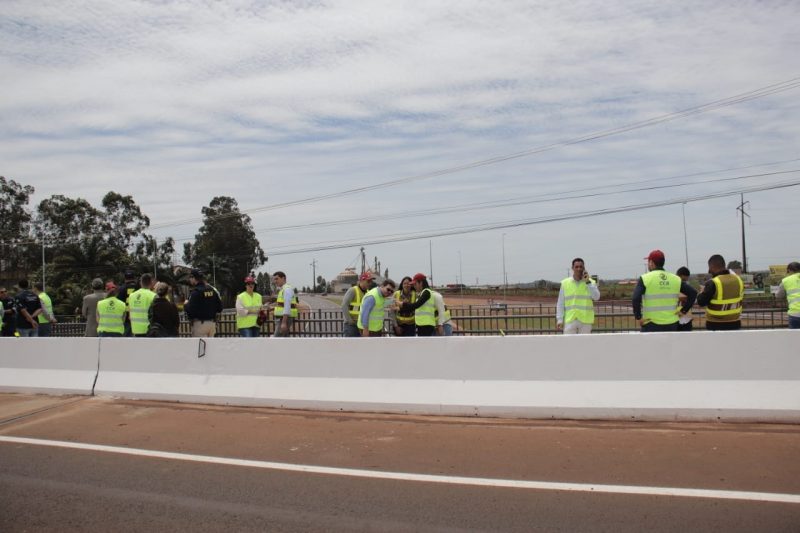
<point x="456" y="286"/>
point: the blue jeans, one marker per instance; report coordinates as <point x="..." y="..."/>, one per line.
<point x="351" y="330"/>
<point x="28" y="332"/>
<point x="794" y="322"/>
<point x="250" y="332"/>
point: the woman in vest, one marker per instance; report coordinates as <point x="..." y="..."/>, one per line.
<point x="163" y="314"/>
<point x="373" y="307"/>
<point x="248" y="305"/>
<point x="403" y="322"/>
<point x="424" y="307"/>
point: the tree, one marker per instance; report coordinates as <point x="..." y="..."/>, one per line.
<point x="322" y="285"/>
<point x="122" y="220"/>
<point x="227" y="245"/>
<point x="15" y="227"/>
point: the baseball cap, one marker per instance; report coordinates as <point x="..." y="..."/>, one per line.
<point x="655" y="255"/>
<point x="111" y="286"/>
<point x="366" y="276"/>
<point x="249" y="279"/>
<point x="129" y="274"/>
<point x="419" y="277"/>
<point x="195" y="273"/>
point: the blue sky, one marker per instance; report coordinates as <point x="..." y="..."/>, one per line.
<point x="273" y="102"/>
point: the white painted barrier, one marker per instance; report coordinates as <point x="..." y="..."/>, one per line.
<point x="48" y="365"/>
<point x="746" y="375"/>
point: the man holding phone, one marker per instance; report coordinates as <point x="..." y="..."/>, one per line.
<point x="575" y="308"/>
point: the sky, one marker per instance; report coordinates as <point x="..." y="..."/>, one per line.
<point x="453" y="134"/>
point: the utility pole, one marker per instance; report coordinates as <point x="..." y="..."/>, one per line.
<point x="430" y="258"/>
<point x="363" y="261"/>
<point x="460" y="275"/>
<point x="685" y="241"/>
<point x="314" y="274"/>
<point x="155" y="255"/>
<point x="505" y="278"/>
<point x="744" y="250"/>
<point x="214" y="269"/>
<point x="44" y="267"/>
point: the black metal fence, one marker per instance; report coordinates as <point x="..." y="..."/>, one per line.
<point x="497" y="319"/>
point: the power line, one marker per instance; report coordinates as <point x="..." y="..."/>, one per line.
<point x="761" y="92"/>
<point x="462" y="230"/>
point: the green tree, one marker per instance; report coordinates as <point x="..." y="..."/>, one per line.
<point x="15" y="227"/>
<point x="225" y="245"/>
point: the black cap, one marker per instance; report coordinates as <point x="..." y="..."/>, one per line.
<point x="197" y="274"/>
<point x="129" y="274"/>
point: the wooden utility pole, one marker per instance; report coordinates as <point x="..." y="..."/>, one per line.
<point x="744" y="249"/>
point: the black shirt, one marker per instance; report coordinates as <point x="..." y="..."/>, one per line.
<point x="203" y="304"/>
<point x="30" y="302"/>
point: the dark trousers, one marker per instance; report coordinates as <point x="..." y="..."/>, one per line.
<point x="723" y="326"/>
<point x="426" y="331"/>
<point x="794" y="322"/>
<point x="652" y="327"/>
<point x="684" y="327"/>
<point x="407" y="330"/>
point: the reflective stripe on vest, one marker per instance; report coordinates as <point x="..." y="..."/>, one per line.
<point x="425" y="315"/>
<point x="281" y="302"/>
<point x="578" y="304"/>
<point x="355" y="305"/>
<point x="111" y="315"/>
<point x="253" y="306"/>
<point x="138" y="304"/>
<point x="376" y="313"/>
<point x="791" y="286"/>
<point x="726" y="305"/>
<point x="47" y="304"/>
<point x="399" y="298"/>
<point x="660" y="299"/>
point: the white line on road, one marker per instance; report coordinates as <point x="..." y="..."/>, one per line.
<point x="424" y="478"/>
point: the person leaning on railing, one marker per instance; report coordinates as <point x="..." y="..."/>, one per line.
<point x="373" y="308"/>
<point x="790" y="289"/>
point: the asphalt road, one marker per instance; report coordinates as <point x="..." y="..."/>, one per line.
<point x="54" y="488"/>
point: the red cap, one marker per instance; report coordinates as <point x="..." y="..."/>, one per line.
<point x="366" y="276"/>
<point x="111" y="286"/>
<point x="249" y="279"/>
<point x="418" y="277"/>
<point x="655" y="255"/>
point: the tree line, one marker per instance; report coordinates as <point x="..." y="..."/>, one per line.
<point x="78" y="241"/>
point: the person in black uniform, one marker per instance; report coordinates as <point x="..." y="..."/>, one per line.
<point x="125" y="290"/>
<point x="9" y="314"/>
<point x="203" y="305"/>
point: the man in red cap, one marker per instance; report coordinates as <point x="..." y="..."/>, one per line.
<point x="351" y="304"/>
<point x="248" y="305"/>
<point x="424" y="307"/>
<point x="655" y="298"/>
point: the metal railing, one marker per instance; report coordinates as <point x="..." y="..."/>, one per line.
<point x="478" y="320"/>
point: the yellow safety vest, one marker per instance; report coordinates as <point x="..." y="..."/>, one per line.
<point x="139" y="303"/>
<point x="726" y="305"/>
<point x="377" y="312"/>
<point x="578" y="304"/>
<point x="660" y="299"/>
<point x="409" y="318"/>
<point x="47" y="304"/>
<point x="281" y="302"/>
<point x="425" y="315"/>
<point x="355" y="305"/>
<point x="791" y="285"/>
<point x="111" y="315"/>
<point x="252" y="304"/>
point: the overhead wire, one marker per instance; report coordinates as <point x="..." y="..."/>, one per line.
<point x="760" y="92"/>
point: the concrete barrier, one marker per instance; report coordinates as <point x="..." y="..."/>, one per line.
<point x="49" y="365"/>
<point x="746" y="375"/>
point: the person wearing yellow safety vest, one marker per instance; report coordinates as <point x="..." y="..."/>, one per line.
<point x="575" y="307"/>
<point x="790" y="289"/>
<point x="444" y="325"/>
<point x="373" y="308"/>
<point x="655" y="298"/>
<point x="286" y="305"/>
<point x="351" y="305"/>
<point x="248" y="305"/>
<point x="111" y="314"/>
<point x="139" y="303"/>
<point x="403" y="322"/>
<point x="722" y="297"/>
<point x="424" y="307"/>
<point x="46" y="317"/>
